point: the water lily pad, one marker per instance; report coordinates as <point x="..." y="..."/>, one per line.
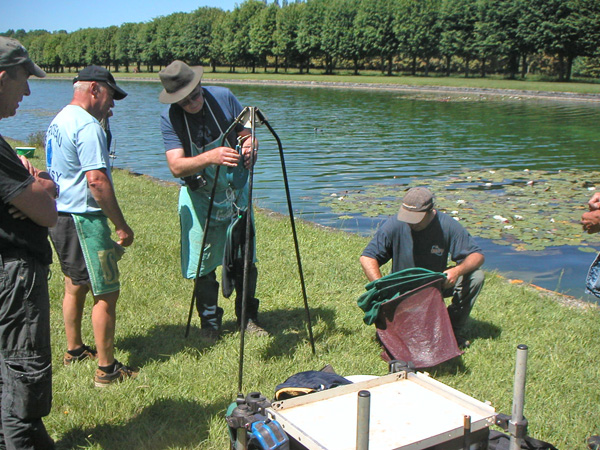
<point x="528" y="209"/>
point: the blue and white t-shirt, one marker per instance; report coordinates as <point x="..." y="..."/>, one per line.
<point x="75" y="144"/>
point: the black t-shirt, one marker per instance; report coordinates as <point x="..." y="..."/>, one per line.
<point x="428" y="248"/>
<point x="17" y="234"/>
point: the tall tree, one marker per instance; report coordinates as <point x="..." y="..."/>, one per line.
<point x="338" y="39"/>
<point x="417" y="28"/>
<point x="569" y="28"/>
<point x="286" y="34"/>
<point x="262" y="33"/>
<point x="310" y="31"/>
<point x="198" y="35"/>
<point x="147" y="43"/>
<point x="457" y="36"/>
<point x="374" y="28"/>
<point x="127" y="47"/>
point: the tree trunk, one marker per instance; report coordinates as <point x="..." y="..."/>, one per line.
<point x="448" y="62"/>
<point x="390" y="62"/>
<point x="467" y="62"/>
<point x="570" y="59"/>
<point x="414" y="66"/>
<point x="561" y="68"/>
<point x="482" y="72"/>
<point x="524" y="65"/>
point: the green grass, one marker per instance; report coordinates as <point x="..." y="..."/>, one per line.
<point x="184" y="387"/>
<point x="374" y="77"/>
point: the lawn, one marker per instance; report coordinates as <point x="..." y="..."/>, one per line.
<point x="184" y="387"/>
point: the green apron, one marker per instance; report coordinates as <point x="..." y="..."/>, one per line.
<point x="193" y="210"/>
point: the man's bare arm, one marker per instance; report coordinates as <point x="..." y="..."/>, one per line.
<point x="371" y="268"/>
<point x="104" y="194"/>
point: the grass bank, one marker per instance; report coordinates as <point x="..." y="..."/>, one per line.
<point x="376" y="78"/>
<point x="184" y="387"/>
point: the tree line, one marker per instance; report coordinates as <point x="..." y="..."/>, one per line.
<point x="474" y="37"/>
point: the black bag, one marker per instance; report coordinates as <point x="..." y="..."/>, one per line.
<point x="501" y="441"/>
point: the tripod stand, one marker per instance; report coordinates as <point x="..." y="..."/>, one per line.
<point x="254" y="117"/>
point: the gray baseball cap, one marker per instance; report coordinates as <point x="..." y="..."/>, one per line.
<point x="12" y="53"/>
<point x="417" y="202"/>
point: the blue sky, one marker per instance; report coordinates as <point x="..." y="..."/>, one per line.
<point x="70" y="15"/>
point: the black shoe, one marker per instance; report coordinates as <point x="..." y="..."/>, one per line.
<point x="254" y="328"/>
<point x="594" y="443"/>
<point x="462" y="342"/>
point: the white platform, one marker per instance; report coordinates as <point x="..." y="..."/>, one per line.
<point x="408" y="411"/>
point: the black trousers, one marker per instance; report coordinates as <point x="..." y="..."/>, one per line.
<point x="25" y="356"/>
<point x="207" y="297"/>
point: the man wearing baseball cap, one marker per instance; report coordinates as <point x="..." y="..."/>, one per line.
<point x="78" y="160"/>
<point x="421" y="236"/>
<point x="27" y="209"/>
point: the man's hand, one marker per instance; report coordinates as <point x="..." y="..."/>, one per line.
<point x="594" y="202"/>
<point x="42" y="177"/>
<point x="472" y="262"/>
<point x="16" y="213"/>
<point x="27" y="164"/>
<point x="452" y="275"/>
<point x="590" y="221"/>
<point x="249" y="155"/>
<point x="223" y="156"/>
<point x="125" y="236"/>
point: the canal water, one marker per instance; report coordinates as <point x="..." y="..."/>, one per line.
<point x="338" y="140"/>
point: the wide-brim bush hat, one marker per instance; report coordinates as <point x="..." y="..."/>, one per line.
<point x="178" y="80"/>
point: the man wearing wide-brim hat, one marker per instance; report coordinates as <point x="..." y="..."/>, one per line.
<point x="421" y="236"/>
<point x="193" y="128"/>
<point x="27" y="209"/>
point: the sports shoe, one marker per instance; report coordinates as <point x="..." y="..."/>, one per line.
<point x="254" y="328"/>
<point x="594" y="442"/>
<point x="87" y="353"/>
<point x="121" y="372"/>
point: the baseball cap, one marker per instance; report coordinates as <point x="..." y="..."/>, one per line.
<point x="415" y="204"/>
<point x="12" y="53"/>
<point x="98" y="73"/>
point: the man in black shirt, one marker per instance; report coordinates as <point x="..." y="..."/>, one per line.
<point x="421" y="236"/>
<point x="27" y="208"/>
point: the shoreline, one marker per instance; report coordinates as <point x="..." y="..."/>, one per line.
<point x="434" y="90"/>
<point x="564" y="299"/>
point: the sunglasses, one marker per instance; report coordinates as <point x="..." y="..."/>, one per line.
<point x="192" y="97"/>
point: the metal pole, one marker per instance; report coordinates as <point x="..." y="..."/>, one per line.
<point x="467" y="432"/>
<point x="241" y="441"/>
<point x="202" y="245"/>
<point x="363" y="420"/>
<point x="248" y="248"/>
<point x="294" y="234"/>
<point x="518" y="399"/>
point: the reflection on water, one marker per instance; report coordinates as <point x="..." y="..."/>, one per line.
<point x="336" y="140"/>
